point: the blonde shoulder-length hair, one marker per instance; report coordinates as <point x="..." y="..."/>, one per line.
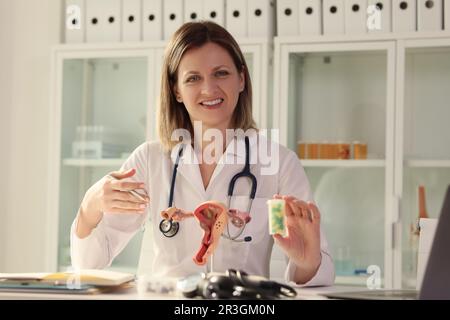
<point x="172" y="114"/>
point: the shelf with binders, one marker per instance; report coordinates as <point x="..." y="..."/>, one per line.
<point x="424" y="160"/>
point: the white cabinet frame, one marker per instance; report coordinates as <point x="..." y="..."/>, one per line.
<point x="395" y="45"/>
<point x="59" y="54"/>
<point x="280" y="116"/>
<point x="399" y="161"/>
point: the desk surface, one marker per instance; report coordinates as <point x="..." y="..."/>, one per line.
<point x="314" y="293"/>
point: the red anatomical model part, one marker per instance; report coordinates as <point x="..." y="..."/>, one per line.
<point x="212" y="216"/>
<point x="176" y="214"/>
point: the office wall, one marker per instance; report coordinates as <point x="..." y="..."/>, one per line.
<point x="28" y="30"/>
<point x="5" y="103"/>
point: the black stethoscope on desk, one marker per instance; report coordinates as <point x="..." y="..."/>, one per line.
<point x="169" y="228"/>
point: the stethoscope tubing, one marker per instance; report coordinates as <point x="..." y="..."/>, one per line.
<point x="169" y="228"/>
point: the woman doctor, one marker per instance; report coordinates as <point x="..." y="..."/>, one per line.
<point x="205" y="81"/>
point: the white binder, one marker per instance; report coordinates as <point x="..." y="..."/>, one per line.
<point x="173" y="16"/>
<point x="355" y="16"/>
<point x="404" y="15"/>
<point x="214" y="10"/>
<point x="381" y="21"/>
<point x="429" y="15"/>
<point x="310" y="17"/>
<point x="261" y="18"/>
<point x="287" y="17"/>
<point x="333" y="17"/>
<point x="236" y="18"/>
<point x="193" y="10"/>
<point x="447" y="15"/>
<point x="152" y="20"/>
<point x="75" y="26"/>
<point x="131" y="20"/>
<point x="103" y="20"/>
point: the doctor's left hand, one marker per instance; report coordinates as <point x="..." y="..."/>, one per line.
<point x="302" y="244"/>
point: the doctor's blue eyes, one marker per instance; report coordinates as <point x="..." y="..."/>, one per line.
<point x="217" y="74"/>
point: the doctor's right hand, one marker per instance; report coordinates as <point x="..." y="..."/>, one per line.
<point x="112" y="196"/>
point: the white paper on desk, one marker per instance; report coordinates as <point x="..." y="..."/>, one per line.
<point x="92" y="277"/>
<point x="84" y="276"/>
<point x="23" y="276"/>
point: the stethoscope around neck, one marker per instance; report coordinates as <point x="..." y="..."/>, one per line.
<point x="170" y="228"/>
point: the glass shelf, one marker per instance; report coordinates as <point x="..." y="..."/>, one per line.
<point x="338" y="96"/>
<point x="427" y="112"/>
<point x="418" y="163"/>
<point x="426" y="140"/>
<point x="343" y="163"/>
<point x="76" y="162"/>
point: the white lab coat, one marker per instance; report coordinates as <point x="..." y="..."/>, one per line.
<point x="174" y="256"/>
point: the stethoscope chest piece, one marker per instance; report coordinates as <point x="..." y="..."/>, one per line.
<point x="169" y="228"/>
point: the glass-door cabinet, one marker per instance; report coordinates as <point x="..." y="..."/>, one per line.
<point x="104" y="105"/>
<point x="423" y="160"/>
<point x="334" y="106"/>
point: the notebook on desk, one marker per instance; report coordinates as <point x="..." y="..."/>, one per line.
<point x="436" y="280"/>
<point x="81" y="282"/>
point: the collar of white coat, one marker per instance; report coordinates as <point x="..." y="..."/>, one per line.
<point x="235" y="150"/>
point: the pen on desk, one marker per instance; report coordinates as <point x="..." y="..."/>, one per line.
<point x="134" y="193"/>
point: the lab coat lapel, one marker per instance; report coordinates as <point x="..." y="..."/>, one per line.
<point x="234" y="156"/>
<point x="188" y="168"/>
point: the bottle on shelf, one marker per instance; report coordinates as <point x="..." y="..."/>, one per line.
<point x="359" y="150"/>
<point x="423" y="213"/>
<point x="415" y="234"/>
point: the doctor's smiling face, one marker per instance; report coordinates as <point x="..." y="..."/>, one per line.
<point x="209" y="84"/>
<point x="204" y="80"/>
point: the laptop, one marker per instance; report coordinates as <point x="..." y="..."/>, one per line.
<point x="436" y="280"/>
